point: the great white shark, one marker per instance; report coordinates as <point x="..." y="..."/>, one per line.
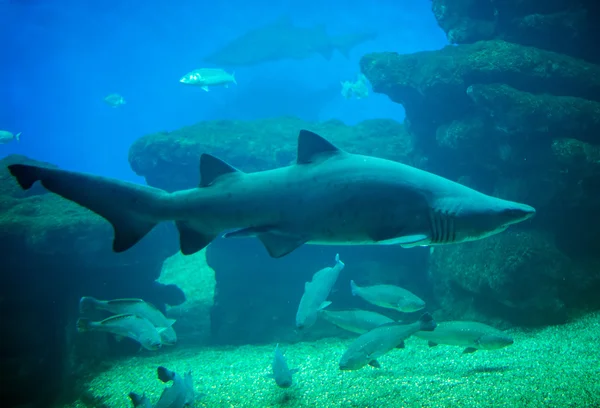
<point x="328" y="196"/>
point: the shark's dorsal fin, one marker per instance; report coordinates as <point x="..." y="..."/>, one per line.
<point x="312" y="147"/>
<point x="211" y="168"/>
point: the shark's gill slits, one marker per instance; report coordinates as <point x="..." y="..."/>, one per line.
<point x="442" y="226"/>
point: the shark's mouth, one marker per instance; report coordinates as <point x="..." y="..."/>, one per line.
<point x="442" y="228"/>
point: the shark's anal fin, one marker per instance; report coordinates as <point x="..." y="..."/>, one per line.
<point x="192" y="240"/>
<point x="312" y="147"/>
<point x="277" y="245"/>
<point x="212" y="168"/>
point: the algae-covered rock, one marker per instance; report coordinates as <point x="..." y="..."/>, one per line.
<point x="526" y="117"/>
<point x="516" y="276"/>
<point x="171" y="160"/>
<point x="197" y="279"/>
<point x="432" y="85"/>
<point x="554" y="25"/>
<point x="54" y="252"/>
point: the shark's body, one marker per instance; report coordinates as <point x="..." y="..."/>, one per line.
<point x="327" y="197"/>
<point x="283" y="40"/>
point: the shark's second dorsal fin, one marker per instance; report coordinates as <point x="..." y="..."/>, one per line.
<point x="211" y="168"/>
<point x="312" y="147"/>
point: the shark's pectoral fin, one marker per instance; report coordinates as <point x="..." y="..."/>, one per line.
<point x="413" y="240"/>
<point x="192" y="240"/>
<point x="393" y="236"/>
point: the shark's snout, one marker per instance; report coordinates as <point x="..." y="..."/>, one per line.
<point x="518" y="213"/>
<point x="527" y="212"/>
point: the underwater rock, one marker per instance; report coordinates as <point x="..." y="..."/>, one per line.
<point x="197" y="279"/>
<point x="54" y="252"/>
<point x="552" y="25"/>
<point x="526" y="117"/>
<point x="518" y="277"/>
<point x="170" y="160"/>
<point x="432" y="85"/>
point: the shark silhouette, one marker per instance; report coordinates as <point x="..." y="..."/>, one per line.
<point x="327" y="197"/>
<point x="282" y="40"/>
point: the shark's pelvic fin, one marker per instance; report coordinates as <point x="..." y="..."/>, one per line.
<point x="117" y="202"/>
<point x="212" y="168"/>
<point x="276" y="244"/>
<point x="312" y="148"/>
<point x="191" y="240"/>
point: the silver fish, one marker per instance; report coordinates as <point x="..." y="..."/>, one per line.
<point x="125" y="325"/>
<point x="315" y="294"/>
<point x="389" y="296"/>
<point x="281" y="373"/>
<point x="137" y="307"/>
<point x="7" y="137"/>
<point x="356" y="321"/>
<point x="471" y="335"/>
<point x="377" y="342"/>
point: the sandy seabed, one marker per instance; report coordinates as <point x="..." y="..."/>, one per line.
<point x="558" y="366"/>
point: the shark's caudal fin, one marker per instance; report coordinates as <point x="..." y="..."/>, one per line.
<point x="131" y="209"/>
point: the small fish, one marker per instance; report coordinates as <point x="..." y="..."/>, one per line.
<point x="205" y="77"/>
<point x="125" y="325"/>
<point x="139" y="401"/>
<point x="136" y="307"/>
<point x="471" y="335"/>
<point x="114" y="100"/>
<point x="7" y="137"/>
<point x="356" y="321"/>
<point x="358" y="88"/>
<point x="178" y="395"/>
<point x="377" y="342"/>
<point x="315" y="294"/>
<point x="389" y="296"/>
<point x="281" y="373"/>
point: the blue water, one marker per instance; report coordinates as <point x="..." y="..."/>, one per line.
<point x="62" y="57"/>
